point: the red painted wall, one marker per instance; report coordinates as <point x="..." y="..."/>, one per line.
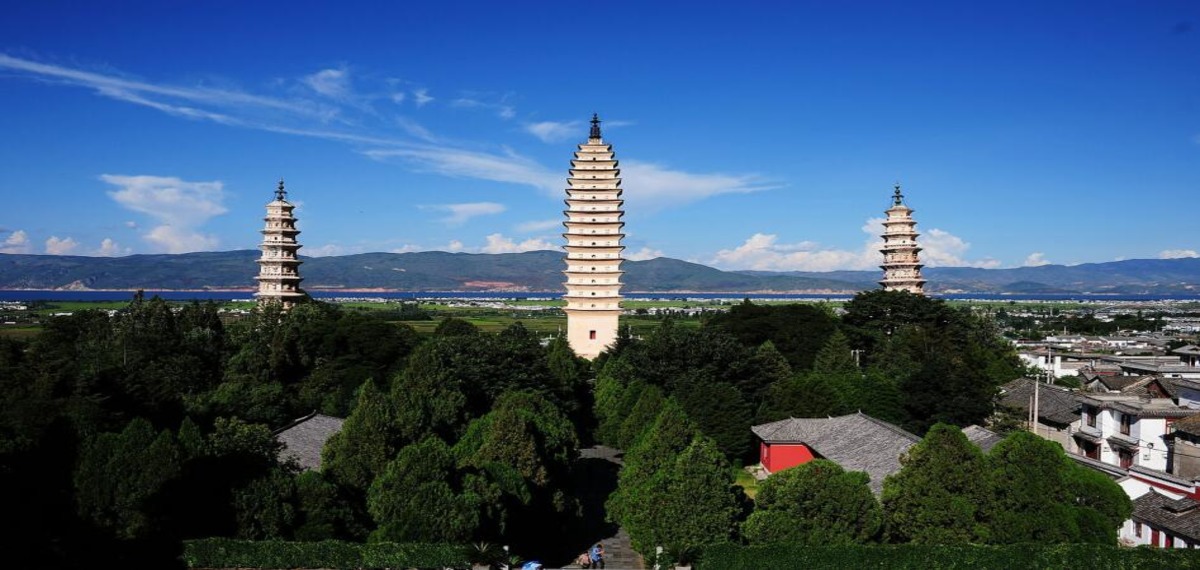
<point x="776" y="457"/>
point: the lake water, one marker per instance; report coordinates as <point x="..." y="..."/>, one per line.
<point x="549" y="295"/>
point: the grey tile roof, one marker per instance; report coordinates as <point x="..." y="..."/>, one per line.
<point x="304" y="438"/>
<point x="1190" y="349"/>
<point x="983" y="437"/>
<point x="1118" y="383"/>
<point x="1189" y="425"/>
<point x="1056" y="405"/>
<point x="1180" y="517"/>
<point x="1114" y="471"/>
<point x="857" y="442"/>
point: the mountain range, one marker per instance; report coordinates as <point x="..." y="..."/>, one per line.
<point x="542" y="271"/>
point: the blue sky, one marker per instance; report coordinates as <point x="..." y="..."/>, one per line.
<point x="752" y="135"/>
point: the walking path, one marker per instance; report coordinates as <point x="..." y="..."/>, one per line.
<point x="597" y="469"/>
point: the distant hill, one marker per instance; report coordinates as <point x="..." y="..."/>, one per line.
<point x="542" y="271"/>
<point x="1129" y="277"/>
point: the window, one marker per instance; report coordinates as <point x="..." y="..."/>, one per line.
<point x="592" y="335"/>
<point x="1126" y="420"/>
<point x="1126" y="458"/>
<point x="1089" y="415"/>
<point x="1137" y="529"/>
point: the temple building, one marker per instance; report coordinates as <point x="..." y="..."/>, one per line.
<point x="593" y="246"/>
<point x="901" y="266"/>
<point x="279" y="267"/>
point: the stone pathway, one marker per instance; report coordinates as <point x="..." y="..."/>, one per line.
<point x="598" y="468"/>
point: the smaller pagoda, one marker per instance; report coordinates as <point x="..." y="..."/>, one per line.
<point x="901" y="265"/>
<point x="279" y="267"/>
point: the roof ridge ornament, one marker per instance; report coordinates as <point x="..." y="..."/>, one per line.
<point x="281" y="194"/>
<point x="898" y="198"/>
<point x="595" y="134"/>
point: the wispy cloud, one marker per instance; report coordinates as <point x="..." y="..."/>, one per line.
<point x="644" y="254"/>
<point x="16" y="242"/>
<point x="1177" y="253"/>
<point x="555" y="131"/>
<point x="508" y="167"/>
<point x="332" y="83"/>
<point x="460" y="213"/>
<point x="177" y="206"/>
<point x="1035" y="259"/>
<point x="653" y="187"/>
<point x="538" y="226"/>
<point x="501" y="107"/>
<point x="497" y="243"/>
<point x="64" y="246"/>
<point x="421" y="97"/>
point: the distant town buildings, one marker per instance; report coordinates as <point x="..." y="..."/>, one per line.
<point x="279" y="267"/>
<point x="901" y="266"/>
<point x="593" y="246"/>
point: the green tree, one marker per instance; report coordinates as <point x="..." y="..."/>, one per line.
<point x="649" y="403"/>
<point x="691" y="503"/>
<point x="359" y="452"/>
<point x="798" y="330"/>
<point x="817" y="503"/>
<point x="939" y="495"/>
<point x="415" y="499"/>
<point x="119" y="474"/>
<point x="670" y="434"/>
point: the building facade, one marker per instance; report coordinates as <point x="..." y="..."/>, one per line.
<point x="901" y="264"/>
<point x="279" y="266"/>
<point x="593" y="250"/>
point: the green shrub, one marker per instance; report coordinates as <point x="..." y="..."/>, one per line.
<point x="230" y="553"/>
<point x="931" y="557"/>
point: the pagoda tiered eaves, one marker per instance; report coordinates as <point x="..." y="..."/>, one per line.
<point x="279" y="266"/>
<point x="901" y="262"/>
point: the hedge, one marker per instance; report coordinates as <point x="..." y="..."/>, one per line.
<point x="928" y="557"/>
<point x="333" y="554"/>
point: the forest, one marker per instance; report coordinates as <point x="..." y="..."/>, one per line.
<point x="138" y="430"/>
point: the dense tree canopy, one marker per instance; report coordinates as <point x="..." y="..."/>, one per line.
<point x="817" y="503"/>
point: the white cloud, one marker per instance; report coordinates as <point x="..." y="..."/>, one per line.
<point x="324" y="250"/>
<point x="421" y="97"/>
<point x="179" y="207"/>
<point x="502" y="110"/>
<point x="538" y="226"/>
<point x="497" y="243"/>
<point x="398" y="97"/>
<point x="555" y="131"/>
<point x="55" y="246"/>
<point x="653" y="187"/>
<point x="332" y="83"/>
<point x="509" y="167"/>
<point x="763" y="252"/>
<point x="131" y="224"/>
<point x="944" y="249"/>
<point x="460" y="213"/>
<point x="1035" y="259"/>
<point x="16" y="242"/>
<point x="644" y="254"/>
<point x="1177" y="253"/>
<point x="110" y="248"/>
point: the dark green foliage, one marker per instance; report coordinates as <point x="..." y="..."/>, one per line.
<point x="946" y="362"/>
<point x="1036" y="494"/>
<point x="415" y="498"/>
<point x="939" y="495"/>
<point x="720" y="413"/>
<point x="938" y="557"/>
<point x="688" y="504"/>
<point x="120" y="473"/>
<point x="265" y="508"/>
<point x="817" y="503"/>
<point x="797" y="331"/>
<point x="653" y="453"/>
<point x="324" y="512"/>
<point x="526" y="432"/>
<point x="641" y="416"/>
<point x="229" y="553"/>
<point x="451" y="326"/>
<point x="804" y="396"/>
<point x="358" y="453"/>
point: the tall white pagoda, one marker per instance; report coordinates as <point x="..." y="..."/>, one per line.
<point x="901" y="265"/>
<point x="593" y="246"/>
<point x="279" y="267"/>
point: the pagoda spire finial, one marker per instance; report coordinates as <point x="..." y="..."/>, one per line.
<point x="595" y="126"/>
<point x="280" y="193"/>
<point x="897" y="198"/>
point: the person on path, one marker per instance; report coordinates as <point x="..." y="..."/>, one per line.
<point x="584" y="560"/>
<point x="597" y="556"/>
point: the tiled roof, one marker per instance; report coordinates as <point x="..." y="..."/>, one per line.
<point x="1055" y="405"/>
<point x="1180" y="517"/>
<point x="1190" y="349"/>
<point x="1189" y="425"/>
<point x="304" y="438"/>
<point x="857" y="442"/>
<point x="1118" y="383"/>
<point x="983" y="437"/>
